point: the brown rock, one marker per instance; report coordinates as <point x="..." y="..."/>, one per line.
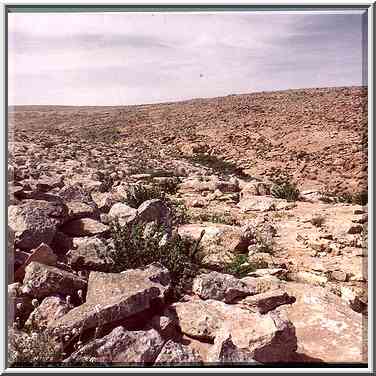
<point x="219" y="286"/>
<point x="84" y="227"/>
<point x="112" y="297"/>
<point x="42" y="254"/>
<point x="42" y="280"/>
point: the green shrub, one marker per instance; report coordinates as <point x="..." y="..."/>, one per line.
<point x="222" y="218"/>
<point x="136" y="194"/>
<point x="239" y="267"/>
<point x="140" y="245"/>
<point x="218" y="165"/>
<point x="179" y="212"/>
<point x="286" y="190"/>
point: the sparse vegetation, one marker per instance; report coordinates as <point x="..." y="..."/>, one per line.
<point x="223" y="218"/>
<point x="217" y="164"/>
<point x="137" y="194"/>
<point x="287" y="190"/>
<point x="139" y="245"/>
<point x="240" y="267"/>
<point x="33" y="349"/>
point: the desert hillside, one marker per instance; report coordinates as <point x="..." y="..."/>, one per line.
<point x="216" y="231"/>
<point x="318" y="135"/>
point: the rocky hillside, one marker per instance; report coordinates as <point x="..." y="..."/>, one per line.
<point x="318" y="135"/>
<point x="215" y="231"/>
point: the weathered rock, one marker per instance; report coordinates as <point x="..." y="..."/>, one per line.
<point x="165" y="323"/>
<point x="42" y="280"/>
<point x="219" y="286"/>
<point x="327" y="329"/>
<point x="35" y="222"/>
<point x="112" y="297"/>
<point x="255" y="189"/>
<point x="338" y="275"/>
<point x="258" y="285"/>
<point x="42" y="254"/>
<point x="90" y="253"/>
<point x="177" y="354"/>
<point x="51" y="308"/>
<point x="355" y="297"/>
<point x="355" y="229"/>
<point x="307" y="277"/>
<point x="121" y="212"/>
<point x="224" y="351"/>
<point x="267" y="301"/>
<point x="84" y="227"/>
<point x="104" y="201"/>
<point x="121" y="347"/>
<point x="78" y="209"/>
<point x="259" y="203"/>
<point x="219" y="243"/>
<point x="154" y="211"/>
<point x="47" y="183"/>
<point x="226" y="186"/>
<point x="268" y="338"/>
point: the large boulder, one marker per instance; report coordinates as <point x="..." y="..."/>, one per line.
<point x="224" y="351"/>
<point x="154" y="211"/>
<point x="90" y="253"/>
<point x="219" y="243"/>
<point x="219" y="286"/>
<point x="41" y="280"/>
<point x="121" y="212"/>
<point x="327" y="329"/>
<point x="121" y="347"/>
<point x="269" y="338"/>
<point x="257" y="203"/>
<point x="112" y="297"/>
<point x="51" y="308"/>
<point x="35" y="222"/>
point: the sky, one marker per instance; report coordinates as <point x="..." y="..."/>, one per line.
<point x="136" y="58"/>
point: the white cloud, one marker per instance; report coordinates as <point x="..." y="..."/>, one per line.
<point x="128" y="58"/>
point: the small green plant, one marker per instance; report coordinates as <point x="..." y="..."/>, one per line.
<point x="179" y="212"/>
<point x="240" y="267"/>
<point x="222" y="218"/>
<point x="217" y="164"/>
<point x="317" y="220"/>
<point x="142" y="244"/>
<point x="137" y="194"/>
<point x="285" y="190"/>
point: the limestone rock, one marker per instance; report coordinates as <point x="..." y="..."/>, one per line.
<point x="112" y="297"/>
<point x="90" y="253"/>
<point x="35" y="222"/>
<point x="42" y="280"/>
<point x="42" y="254"/>
<point x="121" y="347"/>
<point x="259" y="203"/>
<point x="84" y="227"/>
<point x="219" y="286"/>
<point x="51" y="308"/>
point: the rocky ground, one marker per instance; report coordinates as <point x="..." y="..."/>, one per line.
<point x="173" y="234"/>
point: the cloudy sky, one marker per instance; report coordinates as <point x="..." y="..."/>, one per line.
<point x="134" y="58"/>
